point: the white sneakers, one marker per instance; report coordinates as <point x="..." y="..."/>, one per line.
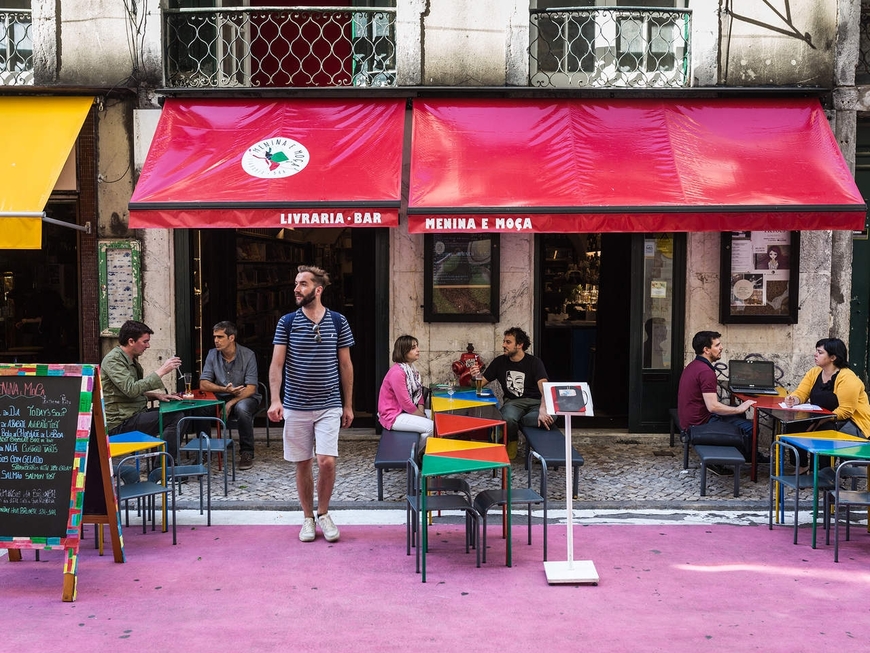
<point x="309" y="531"/>
<point x="330" y="530"/>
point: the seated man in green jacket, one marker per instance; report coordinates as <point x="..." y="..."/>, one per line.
<point x="126" y="389"/>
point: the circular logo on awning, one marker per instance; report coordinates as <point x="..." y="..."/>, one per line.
<point x="275" y="157"/>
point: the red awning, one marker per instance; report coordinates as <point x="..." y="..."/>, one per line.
<point x="272" y="163"/>
<point x="652" y="165"/>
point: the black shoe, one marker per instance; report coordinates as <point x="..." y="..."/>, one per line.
<point x="246" y="460"/>
<point x="721" y="470"/>
<point x="762" y="458"/>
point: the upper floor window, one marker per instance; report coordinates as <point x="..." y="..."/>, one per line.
<point x="311" y="43"/>
<point x="16" y="42"/>
<point x="627" y="43"/>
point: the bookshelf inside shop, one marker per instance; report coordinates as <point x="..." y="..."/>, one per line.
<point x="265" y="274"/>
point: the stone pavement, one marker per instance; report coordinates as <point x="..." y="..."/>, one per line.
<point x="622" y="471"/>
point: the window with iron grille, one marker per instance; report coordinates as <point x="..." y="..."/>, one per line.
<point x="626" y="43"/>
<point x="16" y="42"/>
<point x="322" y="43"/>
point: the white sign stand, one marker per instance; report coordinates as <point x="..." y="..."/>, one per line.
<point x="570" y="571"/>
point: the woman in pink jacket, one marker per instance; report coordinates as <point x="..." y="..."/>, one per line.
<point x="400" y="401"/>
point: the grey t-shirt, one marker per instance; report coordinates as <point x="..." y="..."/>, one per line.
<point x="242" y="370"/>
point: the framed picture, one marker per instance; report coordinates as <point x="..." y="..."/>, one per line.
<point x="461" y="281"/>
<point x="120" y="284"/>
<point x="759" y="277"/>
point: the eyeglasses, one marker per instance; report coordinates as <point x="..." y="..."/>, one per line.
<point x="317" y="337"/>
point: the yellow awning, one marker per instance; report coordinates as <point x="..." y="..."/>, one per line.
<point x="39" y="134"/>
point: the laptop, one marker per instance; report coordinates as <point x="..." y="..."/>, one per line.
<point x="752" y="377"/>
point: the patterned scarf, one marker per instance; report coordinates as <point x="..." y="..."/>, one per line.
<point x="412" y="382"/>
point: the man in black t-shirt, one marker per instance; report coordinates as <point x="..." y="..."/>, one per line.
<point x="522" y="377"/>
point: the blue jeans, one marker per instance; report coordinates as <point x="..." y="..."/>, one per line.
<point x="516" y="411"/>
<point x="745" y="427"/>
<point x="243" y="412"/>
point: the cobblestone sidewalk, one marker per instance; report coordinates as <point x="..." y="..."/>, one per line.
<point x="621" y="471"/>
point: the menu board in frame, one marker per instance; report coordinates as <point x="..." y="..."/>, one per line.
<point x="120" y="284"/>
<point x="759" y="277"/>
<point x="461" y="279"/>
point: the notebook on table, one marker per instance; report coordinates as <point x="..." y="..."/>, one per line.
<point x="752" y="377"/>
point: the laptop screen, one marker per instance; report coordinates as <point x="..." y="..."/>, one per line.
<point x="756" y="374"/>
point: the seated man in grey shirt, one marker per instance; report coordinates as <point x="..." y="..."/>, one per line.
<point x="230" y="372"/>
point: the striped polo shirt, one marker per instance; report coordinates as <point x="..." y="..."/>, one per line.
<point x="311" y="378"/>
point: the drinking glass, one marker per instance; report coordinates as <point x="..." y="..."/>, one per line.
<point x="451" y="388"/>
<point x="188" y="380"/>
<point x="478" y="384"/>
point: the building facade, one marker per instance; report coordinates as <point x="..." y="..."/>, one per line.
<point x="614" y="302"/>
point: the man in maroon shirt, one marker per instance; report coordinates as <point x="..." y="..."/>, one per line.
<point x="698" y="397"/>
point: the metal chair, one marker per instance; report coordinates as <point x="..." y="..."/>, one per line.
<point x="149" y="489"/>
<point x="434" y="503"/>
<point x="232" y="422"/>
<point x="217" y="445"/>
<point x="796" y="482"/>
<point x="202" y="467"/>
<point x="846" y="498"/>
<point x="490" y="498"/>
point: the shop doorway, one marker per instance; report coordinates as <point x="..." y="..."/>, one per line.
<point x="610" y="313"/>
<point x="39" y="304"/>
<point x="247" y="276"/>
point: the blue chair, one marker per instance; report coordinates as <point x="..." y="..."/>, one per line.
<point x="796" y="482"/>
<point x="145" y="492"/>
<point x="845" y="499"/>
<point x="434" y="503"/>
<point x="220" y="445"/>
<point x="201" y="469"/>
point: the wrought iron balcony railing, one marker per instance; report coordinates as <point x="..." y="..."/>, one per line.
<point x="630" y="47"/>
<point x="862" y="69"/>
<point x="16" y="47"/>
<point x="279" y="47"/>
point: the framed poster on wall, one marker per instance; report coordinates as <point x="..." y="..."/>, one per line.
<point x="461" y="278"/>
<point x="120" y="284"/>
<point x="759" y="277"/>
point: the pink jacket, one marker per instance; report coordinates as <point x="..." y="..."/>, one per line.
<point x="393" y="399"/>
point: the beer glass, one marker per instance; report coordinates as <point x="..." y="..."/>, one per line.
<point x="188" y="379"/>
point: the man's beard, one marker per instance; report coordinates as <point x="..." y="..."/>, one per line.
<point x="305" y="300"/>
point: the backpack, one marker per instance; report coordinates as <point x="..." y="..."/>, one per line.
<point x="336" y="323"/>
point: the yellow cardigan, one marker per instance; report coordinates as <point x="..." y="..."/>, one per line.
<point x="850" y="394"/>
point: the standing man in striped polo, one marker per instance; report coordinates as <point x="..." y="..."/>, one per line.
<point x="311" y="354"/>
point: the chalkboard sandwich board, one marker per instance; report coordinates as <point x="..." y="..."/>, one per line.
<point x="45" y="425"/>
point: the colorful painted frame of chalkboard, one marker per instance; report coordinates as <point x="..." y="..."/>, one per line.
<point x="40" y="407"/>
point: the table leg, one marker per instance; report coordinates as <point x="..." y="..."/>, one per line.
<point x="754" y="467"/>
<point x="815" y="496"/>
<point x="508" y="549"/>
<point x="423" y="540"/>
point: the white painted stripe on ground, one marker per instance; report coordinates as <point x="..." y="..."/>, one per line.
<point x="397" y="517"/>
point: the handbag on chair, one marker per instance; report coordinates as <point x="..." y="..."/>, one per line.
<point x="718" y="434"/>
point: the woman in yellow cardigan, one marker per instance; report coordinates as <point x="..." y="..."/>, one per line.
<point x="833" y="385"/>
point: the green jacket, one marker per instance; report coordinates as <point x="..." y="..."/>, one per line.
<point x="124" y="388"/>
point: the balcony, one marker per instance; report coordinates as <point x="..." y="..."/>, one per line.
<point x="862" y="69"/>
<point x="16" y="47"/>
<point x="252" y="47"/>
<point x="606" y="47"/>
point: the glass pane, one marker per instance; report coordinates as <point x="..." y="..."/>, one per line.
<point x="658" y="303"/>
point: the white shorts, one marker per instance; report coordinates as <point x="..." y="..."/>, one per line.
<point x="310" y="432"/>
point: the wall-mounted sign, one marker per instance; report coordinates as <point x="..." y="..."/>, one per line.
<point x="120" y="284"/>
<point x="759" y="277"/>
